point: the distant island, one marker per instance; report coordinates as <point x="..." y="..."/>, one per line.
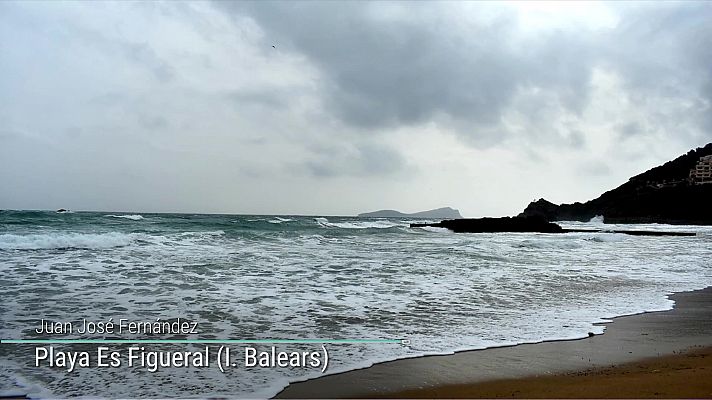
<point x="677" y="192"/>
<point x="444" y="212"/>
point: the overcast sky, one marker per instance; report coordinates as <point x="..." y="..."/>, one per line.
<point x="484" y="107"/>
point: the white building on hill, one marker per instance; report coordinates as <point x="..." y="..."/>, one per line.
<point x="702" y="173"/>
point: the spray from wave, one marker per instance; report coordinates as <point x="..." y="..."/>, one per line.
<point x="598" y="219"/>
<point x="133" y="217"/>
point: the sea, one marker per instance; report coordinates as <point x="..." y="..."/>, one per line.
<point x="259" y="277"/>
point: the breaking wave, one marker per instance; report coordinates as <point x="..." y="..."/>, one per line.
<point x="133" y="217"/>
<point x="10" y="241"/>
<point x="359" y="224"/>
<point x="279" y="220"/>
<point x="598" y="219"/>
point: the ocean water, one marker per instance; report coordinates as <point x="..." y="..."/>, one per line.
<point x="295" y="277"/>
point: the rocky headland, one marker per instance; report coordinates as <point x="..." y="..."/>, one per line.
<point x="677" y="192"/>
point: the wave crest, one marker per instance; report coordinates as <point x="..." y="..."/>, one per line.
<point x="279" y="220"/>
<point x="66" y="241"/>
<point x="358" y="224"/>
<point x="598" y="219"/>
<point x="134" y="217"/>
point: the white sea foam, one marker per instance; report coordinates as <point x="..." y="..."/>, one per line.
<point x="61" y="240"/>
<point x="608" y="237"/>
<point x="134" y="217"/>
<point x="202" y="233"/>
<point x="555" y="242"/>
<point x="213" y="233"/>
<point x="435" y="229"/>
<point x="373" y="224"/>
<point x="279" y="220"/>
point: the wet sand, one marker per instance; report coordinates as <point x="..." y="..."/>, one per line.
<point x="627" y="339"/>
<point x="687" y="375"/>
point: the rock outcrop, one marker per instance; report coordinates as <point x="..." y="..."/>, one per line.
<point x="503" y="224"/>
<point x="526" y="224"/>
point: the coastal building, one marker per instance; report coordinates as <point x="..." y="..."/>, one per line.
<point x="702" y="172"/>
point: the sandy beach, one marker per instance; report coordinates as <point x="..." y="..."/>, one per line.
<point x="657" y="354"/>
<point x="686" y="375"/>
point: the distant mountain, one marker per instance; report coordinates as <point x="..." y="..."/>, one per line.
<point x="677" y="192"/>
<point x="444" y="213"/>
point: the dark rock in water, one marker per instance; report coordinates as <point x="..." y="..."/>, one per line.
<point x="677" y="192"/>
<point x="632" y="233"/>
<point x="527" y="224"/>
<point x="439" y="213"/>
<point x="542" y="208"/>
<point x="503" y="224"/>
<point x="62" y="210"/>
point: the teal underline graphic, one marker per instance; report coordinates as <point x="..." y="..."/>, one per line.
<point x="200" y="341"/>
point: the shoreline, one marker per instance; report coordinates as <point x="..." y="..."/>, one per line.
<point x="627" y="339"/>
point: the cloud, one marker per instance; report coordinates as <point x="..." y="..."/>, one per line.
<point x="366" y="159"/>
<point x="630" y="129"/>
<point x="662" y="54"/>
<point x="384" y="69"/>
<point x="390" y="64"/>
<point x="465" y="68"/>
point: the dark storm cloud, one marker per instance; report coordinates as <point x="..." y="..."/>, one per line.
<point x="664" y="51"/>
<point x="671" y="42"/>
<point x="385" y="72"/>
<point x="425" y="64"/>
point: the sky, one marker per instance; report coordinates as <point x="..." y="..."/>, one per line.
<point x="336" y="108"/>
